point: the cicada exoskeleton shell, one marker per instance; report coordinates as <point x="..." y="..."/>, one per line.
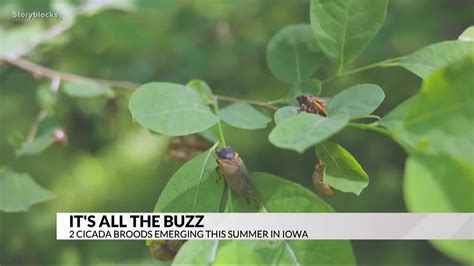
<point x="318" y="181"/>
<point x="165" y="250"/>
<point x="184" y="148"/>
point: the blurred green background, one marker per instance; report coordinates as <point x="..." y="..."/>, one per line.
<point x="114" y="165"/>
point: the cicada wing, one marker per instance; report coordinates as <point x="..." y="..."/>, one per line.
<point x="238" y="179"/>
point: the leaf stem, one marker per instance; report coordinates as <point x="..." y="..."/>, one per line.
<point x="55" y="82"/>
<point x="386" y="63"/>
<point x="374" y="127"/>
<point x="34" y="127"/>
<point x="376" y="117"/>
<point x="281" y="100"/>
<point x="219" y="125"/>
<point x="267" y="105"/>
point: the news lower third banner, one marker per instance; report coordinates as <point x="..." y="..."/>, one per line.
<point x="271" y="226"/>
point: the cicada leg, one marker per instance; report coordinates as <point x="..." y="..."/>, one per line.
<point x="220" y="175"/>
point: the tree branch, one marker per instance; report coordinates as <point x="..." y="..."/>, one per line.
<point x="42" y="71"/>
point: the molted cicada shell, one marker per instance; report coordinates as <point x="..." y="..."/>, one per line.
<point x="184" y="148"/>
<point x="322" y="188"/>
<point x="165" y="250"/>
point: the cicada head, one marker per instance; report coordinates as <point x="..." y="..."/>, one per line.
<point x="226" y="153"/>
<point x="304" y="101"/>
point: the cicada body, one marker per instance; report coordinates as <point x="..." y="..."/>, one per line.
<point x="233" y="168"/>
<point x="312" y="104"/>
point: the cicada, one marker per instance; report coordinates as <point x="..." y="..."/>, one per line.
<point x="233" y="168"/>
<point x="318" y="176"/>
<point x="312" y="104"/>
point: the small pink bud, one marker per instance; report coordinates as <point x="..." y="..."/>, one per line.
<point x="60" y="137"/>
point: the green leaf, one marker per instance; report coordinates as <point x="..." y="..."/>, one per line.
<point x="202" y="89"/>
<point x="460" y="250"/>
<point x="193" y="188"/>
<point x="467" y="34"/>
<point x="309" y="86"/>
<point x="208" y="135"/>
<point x="276" y="252"/>
<point x="39" y="144"/>
<point x="305" y="130"/>
<point x="170" y="109"/>
<point x="441" y="184"/>
<point x="344" y="28"/>
<point x="46" y="97"/>
<point x="17" y="40"/>
<point x="357" y="101"/>
<point x="438" y="184"/>
<point x="66" y="10"/>
<point x="197" y="252"/>
<point x="18" y="192"/>
<point x="440" y="118"/>
<point x="87" y="88"/>
<point x="343" y="172"/>
<point x="217" y="251"/>
<point x="293" y="54"/>
<point x="284" y="113"/>
<point x="280" y="195"/>
<point x="277" y="195"/>
<point x="438" y="123"/>
<point x="44" y="137"/>
<point x="430" y="58"/>
<point x="237" y="253"/>
<point x="242" y="115"/>
<point x="394" y="119"/>
<point x="94" y="7"/>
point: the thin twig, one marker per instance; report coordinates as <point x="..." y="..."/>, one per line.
<point x="374" y="127"/>
<point x="34" y="127"/>
<point x="256" y="103"/>
<point x="42" y="71"/>
<point x="386" y="63"/>
<point x="215" y="104"/>
<point x="55" y="82"/>
<point x="51" y="33"/>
